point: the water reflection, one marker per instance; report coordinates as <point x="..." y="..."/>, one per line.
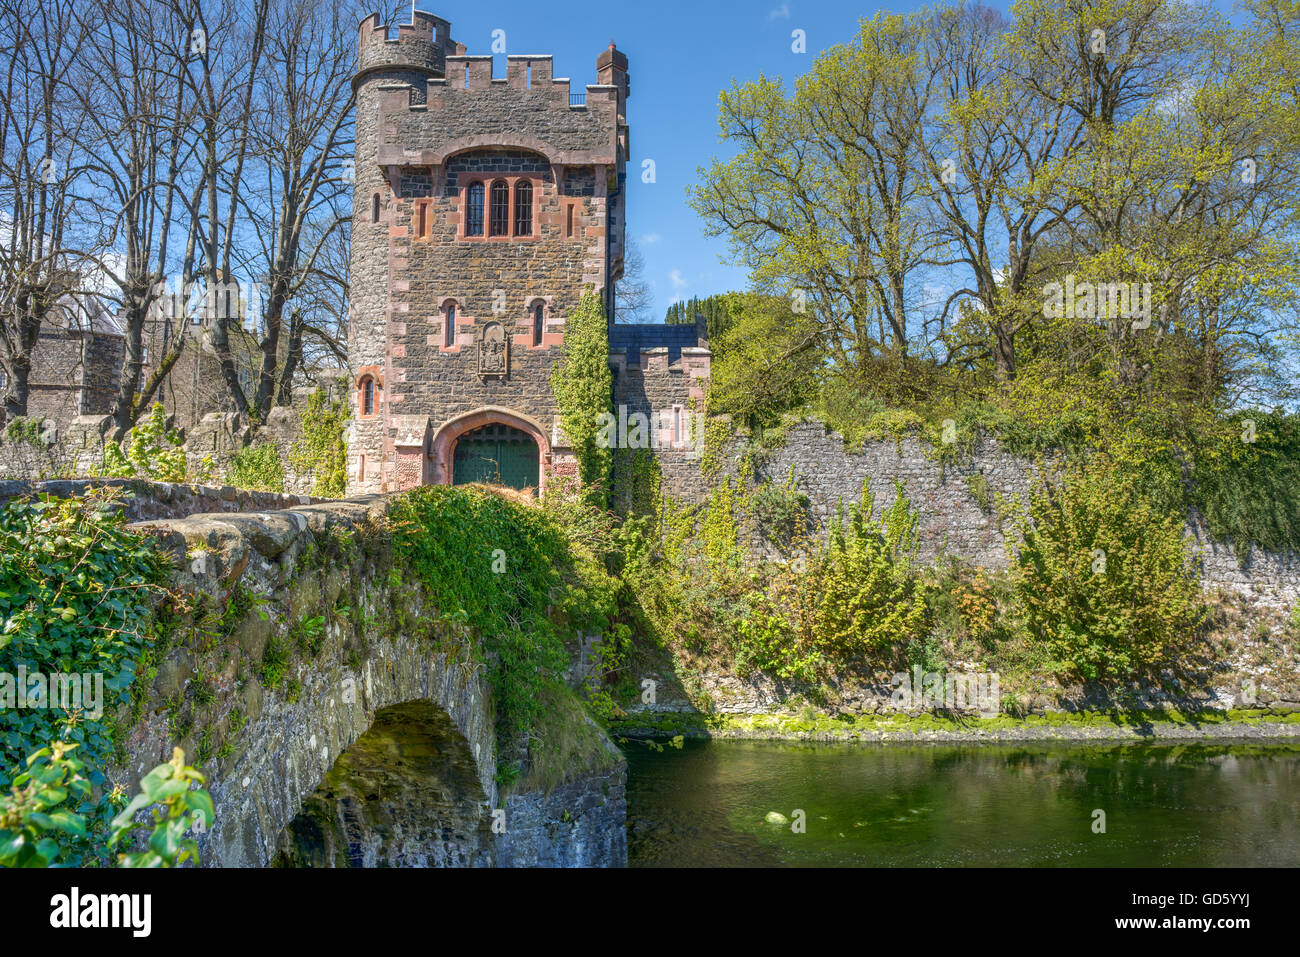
<point x="987" y="805"/>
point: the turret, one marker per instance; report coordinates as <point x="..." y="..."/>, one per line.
<point x="419" y="49"/>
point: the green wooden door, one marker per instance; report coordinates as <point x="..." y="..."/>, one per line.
<point x="498" y="455"/>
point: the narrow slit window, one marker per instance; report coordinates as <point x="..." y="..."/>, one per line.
<point x="374" y="208"/>
<point x="523" y="208"/>
<point x="449" y="325"/>
<point x="422" y="215"/>
<point x="361" y="468"/>
<point x="499" y="223"/>
<point x="539" y="313"/>
<point x="568" y="221"/>
<point x="368" y="397"/>
<point x="474" y="210"/>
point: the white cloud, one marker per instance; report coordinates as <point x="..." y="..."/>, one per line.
<point x="780" y="13"/>
<point x="678" y="281"/>
<point x="651" y="238"/>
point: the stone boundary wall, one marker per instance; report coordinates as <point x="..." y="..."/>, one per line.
<point x="953" y="521"/>
<point x="143" y="500"/>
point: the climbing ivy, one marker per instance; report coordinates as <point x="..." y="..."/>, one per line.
<point x="323" y="448"/>
<point x="505" y="571"/>
<point x="76" y="591"/>
<point x="582" y="384"/>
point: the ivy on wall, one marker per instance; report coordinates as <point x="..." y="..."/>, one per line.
<point x="583" y="386"/>
<point x="323" y="448"/>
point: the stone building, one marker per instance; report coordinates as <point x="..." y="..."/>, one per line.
<point x="484" y="206"/>
<point x="76" y="361"/>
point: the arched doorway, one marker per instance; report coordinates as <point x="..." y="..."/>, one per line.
<point x="488" y="425"/>
<point x="498" y="454"/>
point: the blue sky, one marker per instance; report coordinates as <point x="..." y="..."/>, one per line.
<point x="680" y="56"/>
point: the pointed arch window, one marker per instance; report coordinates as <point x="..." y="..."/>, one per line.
<point x="523" y="208"/>
<point x="499" y="213"/>
<point x="474" y="210"/>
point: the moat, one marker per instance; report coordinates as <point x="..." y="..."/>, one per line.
<point x="1167" y="805"/>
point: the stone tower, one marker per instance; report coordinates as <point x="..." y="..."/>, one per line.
<point x="483" y="207"/>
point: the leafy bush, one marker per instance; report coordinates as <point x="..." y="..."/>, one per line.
<point x="76" y="590"/>
<point x="177" y="804"/>
<point x="257" y="468"/>
<point x="494" y="566"/>
<point x="781" y="513"/>
<point x="766" y="639"/>
<point x="153" y="451"/>
<point x="43" y="817"/>
<point x="871" y="594"/>
<point x="1104" y="577"/>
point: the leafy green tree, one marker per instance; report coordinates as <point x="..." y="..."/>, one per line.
<point x="766" y="362"/>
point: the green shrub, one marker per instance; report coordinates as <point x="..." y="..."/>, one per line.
<point x="152" y="451"/>
<point x="781" y="513"/>
<point x="257" y="468"/>
<point x="871" y="596"/>
<point x="1104" y="577"/>
<point x="76" y="592"/>
<point x="496" y="567"/>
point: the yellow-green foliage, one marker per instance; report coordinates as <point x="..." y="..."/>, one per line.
<point x="718" y="530"/>
<point x="1104" y="578"/>
<point x="258" y="468"/>
<point x="323" y="448"/>
<point x="871" y="593"/>
<point x="152" y="451"/>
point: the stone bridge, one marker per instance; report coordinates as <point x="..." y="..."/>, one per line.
<point x="339" y="719"/>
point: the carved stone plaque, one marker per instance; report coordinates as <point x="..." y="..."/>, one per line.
<point x="493" y="352"/>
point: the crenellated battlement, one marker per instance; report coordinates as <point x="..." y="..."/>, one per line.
<point x="421" y="45"/>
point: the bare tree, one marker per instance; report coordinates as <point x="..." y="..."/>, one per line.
<point x="39" y="133"/>
<point x="633" y="300"/>
<point x="142" y="180"/>
<point x="298" y="195"/>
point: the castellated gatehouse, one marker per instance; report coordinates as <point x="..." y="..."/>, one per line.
<point x="484" y="207"/>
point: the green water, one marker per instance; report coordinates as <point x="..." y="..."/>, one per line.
<point x="995" y="805"/>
